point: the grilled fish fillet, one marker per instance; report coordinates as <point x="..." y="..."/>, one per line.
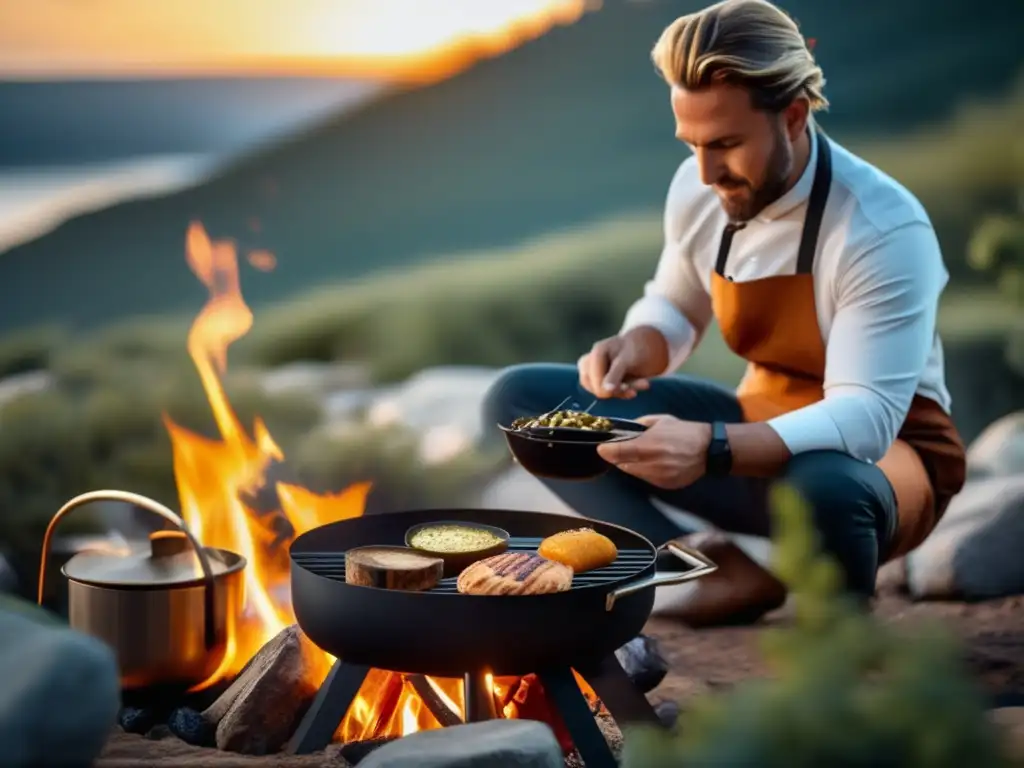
<point x="514" y="573"/>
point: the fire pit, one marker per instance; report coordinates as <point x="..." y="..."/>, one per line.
<point x="550" y="658"/>
<point x="441" y="633"/>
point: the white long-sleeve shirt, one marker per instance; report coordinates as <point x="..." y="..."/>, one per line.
<point x="878" y="276"/>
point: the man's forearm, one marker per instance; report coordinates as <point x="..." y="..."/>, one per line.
<point x="654" y="350"/>
<point x="676" y="329"/>
<point x="757" y="450"/>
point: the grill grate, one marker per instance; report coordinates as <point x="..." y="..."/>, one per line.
<point x="331" y="565"/>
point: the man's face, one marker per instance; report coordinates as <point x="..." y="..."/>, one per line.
<point x="745" y="154"/>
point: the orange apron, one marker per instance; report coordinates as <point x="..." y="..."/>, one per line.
<point x="772" y="323"/>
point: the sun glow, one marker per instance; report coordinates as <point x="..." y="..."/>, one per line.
<point x="386" y="39"/>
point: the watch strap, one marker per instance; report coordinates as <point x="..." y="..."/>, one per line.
<point x="719" y="458"/>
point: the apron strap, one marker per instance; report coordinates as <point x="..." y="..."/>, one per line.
<point x="812" y="222"/>
<point x="815" y="206"/>
<point x="725" y="245"/>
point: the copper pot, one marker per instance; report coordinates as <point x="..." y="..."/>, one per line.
<point x="167" y="610"/>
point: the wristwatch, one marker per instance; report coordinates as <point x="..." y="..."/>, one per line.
<point x="719" y="461"/>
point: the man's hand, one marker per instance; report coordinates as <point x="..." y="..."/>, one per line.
<point x="671" y="454"/>
<point x="620" y="366"/>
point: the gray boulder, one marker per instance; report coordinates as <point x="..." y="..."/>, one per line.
<point x="519" y="743"/>
<point x="999" y="450"/>
<point x="59" y="694"/>
<point x="974" y="553"/>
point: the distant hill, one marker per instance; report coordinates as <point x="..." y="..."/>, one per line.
<point x="568" y="128"/>
<point x="48" y="123"/>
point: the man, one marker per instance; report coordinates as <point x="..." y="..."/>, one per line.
<point x="825" y="275"/>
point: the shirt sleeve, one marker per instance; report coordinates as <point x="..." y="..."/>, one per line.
<point x="674" y="302"/>
<point x="881" y="337"/>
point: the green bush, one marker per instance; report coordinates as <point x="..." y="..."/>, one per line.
<point x="997" y="249"/>
<point x="58" y="443"/>
<point x="31" y="349"/>
<point x="106" y="431"/>
<point x="548" y="299"/>
<point x="845" y="690"/>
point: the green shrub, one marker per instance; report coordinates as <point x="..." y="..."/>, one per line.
<point x="997" y="249"/>
<point x="59" y="443"/>
<point x="845" y="690"/>
<point x="548" y="299"/>
<point x="73" y="438"/>
<point x="29" y="350"/>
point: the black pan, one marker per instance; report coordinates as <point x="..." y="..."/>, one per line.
<point x="563" y="453"/>
<point x="441" y="632"/>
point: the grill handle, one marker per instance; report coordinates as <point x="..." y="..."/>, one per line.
<point x="702" y="566"/>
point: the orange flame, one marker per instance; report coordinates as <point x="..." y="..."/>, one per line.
<point x="216" y="477"/>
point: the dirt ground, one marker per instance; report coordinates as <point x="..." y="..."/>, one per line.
<point x="993" y="634"/>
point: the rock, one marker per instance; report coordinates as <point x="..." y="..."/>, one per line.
<point x="313" y="379"/>
<point x="356" y="751"/>
<point x="522" y="743"/>
<point x="892" y="577"/>
<point x="643" y="662"/>
<point x="259" y="711"/>
<point x="999" y="450"/>
<point x="60" y="693"/>
<point x="667" y="712"/>
<point x="1011" y="721"/>
<point x="448" y="396"/>
<point x="21" y="384"/>
<point x="974" y="552"/>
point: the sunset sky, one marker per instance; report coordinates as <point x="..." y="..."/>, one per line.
<point x="44" y="38"/>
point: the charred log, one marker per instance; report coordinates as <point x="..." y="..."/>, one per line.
<point x="432" y="701"/>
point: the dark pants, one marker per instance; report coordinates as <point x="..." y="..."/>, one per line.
<point x="853" y="503"/>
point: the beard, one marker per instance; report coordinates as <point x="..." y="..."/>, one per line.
<point x="747" y="200"/>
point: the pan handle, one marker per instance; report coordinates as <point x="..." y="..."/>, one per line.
<point x="702" y="566"/>
<point x="150" y="506"/>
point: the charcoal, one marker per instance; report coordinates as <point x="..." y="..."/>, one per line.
<point x="189" y="726"/>
<point x="159" y="732"/>
<point x="355" y="751"/>
<point x="136" y="719"/>
<point x="643" y="662"/>
<point x="667" y="712"/>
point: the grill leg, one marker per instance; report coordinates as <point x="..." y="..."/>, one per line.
<point x="479" y="698"/>
<point x="623" y="700"/>
<point x="561" y="688"/>
<point x="328" y="709"/>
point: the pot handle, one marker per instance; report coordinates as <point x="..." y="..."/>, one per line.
<point x="702" y="566"/>
<point x="150" y="506"/>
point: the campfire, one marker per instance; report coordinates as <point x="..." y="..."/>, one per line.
<point x="215" y="478"/>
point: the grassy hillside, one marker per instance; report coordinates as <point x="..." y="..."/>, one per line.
<point x="547" y="298"/>
<point x="570" y="128"/>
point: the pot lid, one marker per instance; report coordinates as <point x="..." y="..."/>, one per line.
<point x="168" y="561"/>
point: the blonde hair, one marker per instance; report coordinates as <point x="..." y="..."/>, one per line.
<point x="747" y="43"/>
